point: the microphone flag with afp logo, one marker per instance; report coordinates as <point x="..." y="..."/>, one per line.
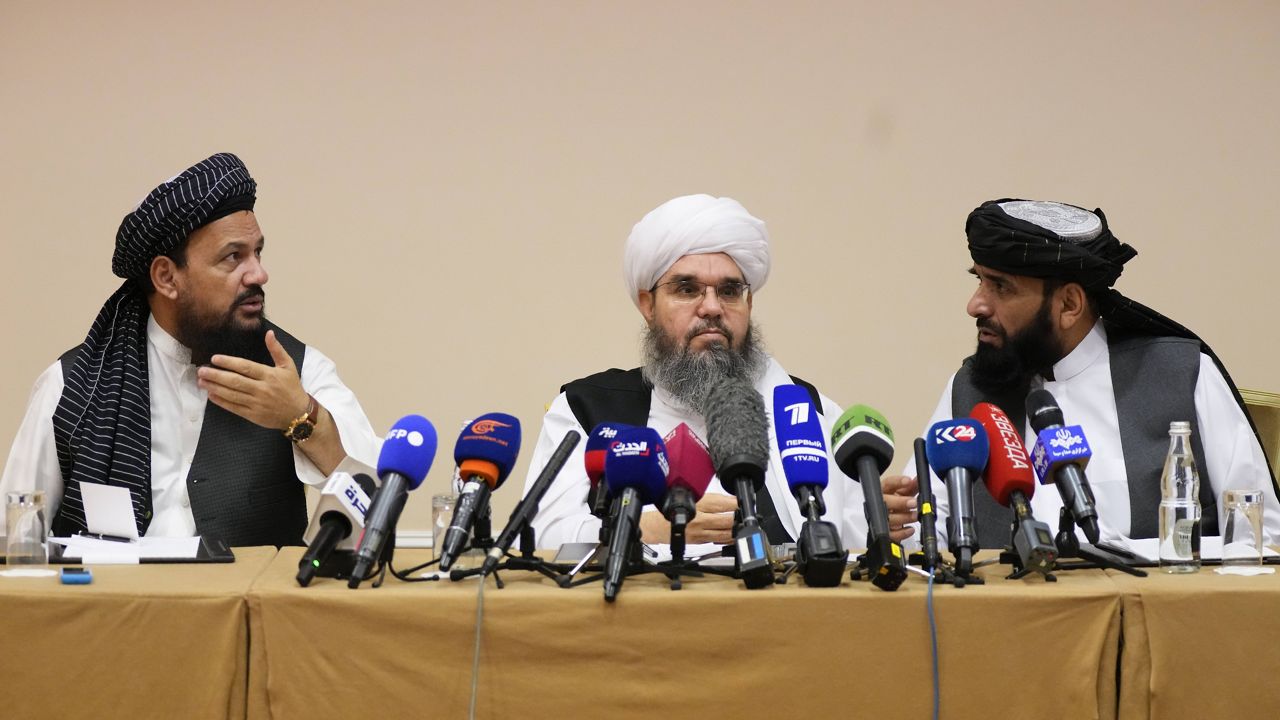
<point x="406" y="456"/>
<point x="485" y="453"/>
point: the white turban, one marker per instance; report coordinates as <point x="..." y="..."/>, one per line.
<point x="695" y="225"/>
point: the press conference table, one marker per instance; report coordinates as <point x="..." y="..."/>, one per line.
<point x="230" y="641"/>
<point x="141" y="641"/>
<point x="712" y="649"/>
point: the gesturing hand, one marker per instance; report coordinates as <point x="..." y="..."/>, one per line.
<point x="270" y="396"/>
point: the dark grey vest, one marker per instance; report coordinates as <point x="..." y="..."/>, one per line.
<point x="623" y="396"/>
<point x="242" y="484"/>
<point x="1154" y="379"/>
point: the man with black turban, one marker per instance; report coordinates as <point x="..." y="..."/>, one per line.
<point x="692" y="267"/>
<point x="182" y="392"/>
<point x="1048" y="317"/>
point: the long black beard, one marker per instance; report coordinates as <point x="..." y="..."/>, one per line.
<point x="223" y="335"/>
<point x="1012" y="365"/>
<point x="688" y="376"/>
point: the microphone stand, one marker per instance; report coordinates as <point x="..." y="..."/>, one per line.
<point x="1069" y="547"/>
<point x="526" y="560"/>
<point x="481" y="539"/>
<point x="675" y="568"/>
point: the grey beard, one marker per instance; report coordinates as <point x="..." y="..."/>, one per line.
<point x="688" y="376"/>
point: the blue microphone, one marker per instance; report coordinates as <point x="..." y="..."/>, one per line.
<point x="406" y="456"/>
<point x="801" y="445"/>
<point x="957" y="451"/>
<point x="485" y="453"/>
<point x="636" y="465"/>
<point x="820" y="556"/>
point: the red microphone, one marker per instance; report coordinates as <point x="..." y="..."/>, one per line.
<point x="1010" y="481"/>
<point x="687" y="480"/>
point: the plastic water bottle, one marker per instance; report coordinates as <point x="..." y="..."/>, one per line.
<point x="1180" y="504"/>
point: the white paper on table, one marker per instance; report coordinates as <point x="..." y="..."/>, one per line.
<point x="1149" y="548"/>
<point x="93" y="551"/>
<point x="108" y="510"/>
<point x="1244" y="570"/>
<point x="692" y="551"/>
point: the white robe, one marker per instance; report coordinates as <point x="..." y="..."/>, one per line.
<point x="563" y="515"/>
<point x="1082" y="387"/>
<point x="177" y="415"/>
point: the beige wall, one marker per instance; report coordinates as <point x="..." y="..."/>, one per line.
<point x="446" y="186"/>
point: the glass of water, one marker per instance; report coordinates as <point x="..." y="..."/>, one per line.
<point x="441" y="515"/>
<point x="1242" y="528"/>
<point x="24" y="528"/>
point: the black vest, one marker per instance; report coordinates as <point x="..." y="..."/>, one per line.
<point x="1154" y="381"/>
<point x="242" y="484"/>
<point x="623" y="396"/>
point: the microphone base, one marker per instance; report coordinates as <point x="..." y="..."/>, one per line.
<point x="558" y="573"/>
<point x="884" y="564"/>
<point x="820" y="559"/>
<point x="340" y="564"/>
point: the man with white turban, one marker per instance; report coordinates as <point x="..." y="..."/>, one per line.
<point x="693" y="267"/>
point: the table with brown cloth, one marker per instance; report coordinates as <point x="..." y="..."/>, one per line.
<point x="140" y="641"/>
<point x="1022" y="648"/>
<point x="1199" y="646"/>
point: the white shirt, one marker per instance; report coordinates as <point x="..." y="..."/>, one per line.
<point x="563" y="515"/>
<point x="1082" y="387"/>
<point x="177" y="415"/>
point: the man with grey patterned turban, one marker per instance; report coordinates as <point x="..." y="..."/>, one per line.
<point x="1048" y="317"/>
<point x="693" y="267"/>
<point x="182" y="392"/>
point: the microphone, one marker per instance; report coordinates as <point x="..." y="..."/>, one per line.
<point x="593" y="458"/>
<point x="930" y="558"/>
<point x="528" y="506"/>
<point x="820" y="557"/>
<point x="636" y="463"/>
<point x="738" y="436"/>
<point x="862" y="444"/>
<point x="344" y="502"/>
<point x="1009" y="479"/>
<point x="957" y="452"/>
<point x="690" y="473"/>
<point x="485" y="452"/>
<point x="406" y="456"/>
<point x="1061" y="454"/>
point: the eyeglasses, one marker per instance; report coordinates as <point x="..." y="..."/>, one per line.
<point x="692" y="291"/>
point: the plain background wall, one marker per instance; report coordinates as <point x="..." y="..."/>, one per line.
<point x="446" y="187"/>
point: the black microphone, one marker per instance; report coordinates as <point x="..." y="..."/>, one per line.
<point x="738" y="436"/>
<point x="344" y="502"/>
<point x="928" y="513"/>
<point x="528" y="506"/>
<point x="1059" y="443"/>
<point x="406" y="456"/>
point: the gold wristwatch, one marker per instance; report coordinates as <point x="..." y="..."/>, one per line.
<point x="305" y="424"/>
